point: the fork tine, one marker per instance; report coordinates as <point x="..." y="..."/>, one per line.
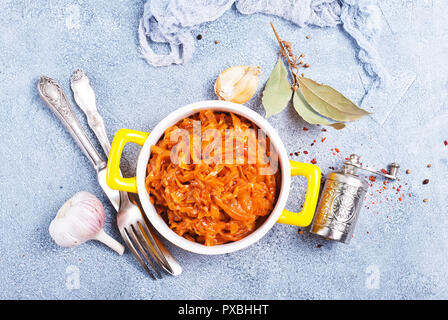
<point x="155" y="247"/>
<point x="149" y="247"/>
<point x="143" y="230"/>
<point x="127" y="240"/>
<point x="134" y="237"/>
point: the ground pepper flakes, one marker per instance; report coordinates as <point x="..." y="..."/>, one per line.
<point x="445" y="143"/>
<point x="323" y="139"/>
<point x="337" y="150"/>
<point x="313" y="161"/>
<point x="372" y="178"/>
<point x="305" y="129"/>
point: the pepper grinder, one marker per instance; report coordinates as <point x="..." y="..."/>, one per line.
<point x="341" y="200"/>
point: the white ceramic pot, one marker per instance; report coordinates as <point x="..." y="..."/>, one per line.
<point x="287" y="167"/>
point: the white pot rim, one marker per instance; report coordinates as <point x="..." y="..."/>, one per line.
<point x="161" y="226"/>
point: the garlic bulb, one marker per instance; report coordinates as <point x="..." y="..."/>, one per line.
<point x="80" y="219"/>
<point x="237" y="84"/>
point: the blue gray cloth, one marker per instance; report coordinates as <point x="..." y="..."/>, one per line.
<point x="171" y="22"/>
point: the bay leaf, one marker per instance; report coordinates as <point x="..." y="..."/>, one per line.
<point x="277" y="92"/>
<point x="329" y="102"/>
<point x="309" y="115"/>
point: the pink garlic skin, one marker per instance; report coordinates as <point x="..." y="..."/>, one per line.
<point x="80" y="219"/>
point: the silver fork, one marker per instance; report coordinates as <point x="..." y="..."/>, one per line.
<point x="136" y="232"/>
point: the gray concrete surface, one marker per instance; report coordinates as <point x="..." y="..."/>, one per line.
<point x="400" y="248"/>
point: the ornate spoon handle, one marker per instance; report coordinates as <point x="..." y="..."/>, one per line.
<point x="85" y="99"/>
<point x="53" y="95"/>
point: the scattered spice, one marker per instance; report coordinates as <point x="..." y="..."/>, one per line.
<point x="296" y="153"/>
<point x="384" y="171"/>
<point x="307" y="37"/>
<point x="337" y="150"/>
<point x="323" y="139"/>
<point x="445" y="143"/>
<point x="305" y="129"/>
<point x="216" y="41"/>
<point x="408" y="171"/>
<point x="429" y="165"/>
<point x="426" y="181"/>
<point x="300" y="232"/>
<point x="425" y="200"/>
<point x="305" y="152"/>
<point x="306" y="65"/>
<point x="199" y="36"/>
<point x="313" y="161"/>
<point x="323" y="130"/>
<point x="290" y="154"/>
<point x="319" y="246"/>
<point x="372" y="178"/>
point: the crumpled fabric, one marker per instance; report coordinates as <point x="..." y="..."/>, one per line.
<point x="171" y="22"/>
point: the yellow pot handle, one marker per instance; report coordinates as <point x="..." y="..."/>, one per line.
<point x="312" y="174"/>
<point x="113" y="176"/>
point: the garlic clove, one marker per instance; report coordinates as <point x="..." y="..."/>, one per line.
<point x="237" y="84"/>
<point x="81" y="219"/>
